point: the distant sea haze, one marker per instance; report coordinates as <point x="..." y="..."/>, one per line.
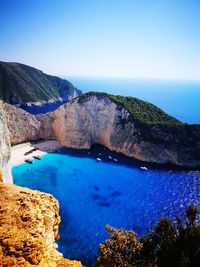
<point x="180" y="99"/>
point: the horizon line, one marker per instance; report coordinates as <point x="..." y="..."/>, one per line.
<point x="129" y="78"/>
<point x="145" y="78"/>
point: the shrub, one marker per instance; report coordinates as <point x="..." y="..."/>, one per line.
<point x="167" y="245"/>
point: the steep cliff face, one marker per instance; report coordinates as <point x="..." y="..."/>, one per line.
<point x="5" y="167"/>
<point x="126" y="125"/>
<point x="81" y="124"/>
<point x="29" y="219"/>
<point x="22" y="84"/>
<point x="24" y="126"/>
<point x="28" y="228"/>
<point x="96" y="118"/>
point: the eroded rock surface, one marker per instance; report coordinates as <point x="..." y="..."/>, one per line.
<point x="28" y="228"/>
<point x="95" y="119"/>
<point x="92" y="119"/>
<point x="24" y="126"/>
<point x="5" y="168"/>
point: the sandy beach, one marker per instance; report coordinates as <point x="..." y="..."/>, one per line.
<point x="18" y="151"/>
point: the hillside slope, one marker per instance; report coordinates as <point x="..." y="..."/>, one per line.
<point x="22" y="84"/>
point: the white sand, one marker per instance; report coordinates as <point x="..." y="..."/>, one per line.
<point x="18" y="151"/>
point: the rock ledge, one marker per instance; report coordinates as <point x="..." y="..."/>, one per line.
<point x="28" y="228"/>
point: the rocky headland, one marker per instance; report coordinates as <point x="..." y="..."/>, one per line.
<point x="24" y="85"/>
<point x="126" y="125"/>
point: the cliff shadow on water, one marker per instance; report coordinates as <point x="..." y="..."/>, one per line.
<point x="98" y="151"/>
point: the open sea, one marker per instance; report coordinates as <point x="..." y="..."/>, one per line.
<point x="115" y="191"/>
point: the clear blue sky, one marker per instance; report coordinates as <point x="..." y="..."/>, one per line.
<point x="120" y="38"/>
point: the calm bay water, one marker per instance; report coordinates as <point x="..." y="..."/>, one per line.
<point x="93" y="194"/>
<point x="41" y="109"/>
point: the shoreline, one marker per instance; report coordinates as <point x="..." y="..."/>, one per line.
<point x="47" y="146"/>
<point x="44" y="147"/>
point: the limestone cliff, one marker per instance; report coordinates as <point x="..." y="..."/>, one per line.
<point x="24" y="126"/>
<point x="127" y="125"/>
<point x="99" y="119"/>
<point x="28" y="228"/>
<point x="5" y="167"/>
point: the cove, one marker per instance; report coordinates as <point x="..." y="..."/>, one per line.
<point x="117" y="192"/>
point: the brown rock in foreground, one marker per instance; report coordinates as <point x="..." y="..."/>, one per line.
<point x="29" y="223"/>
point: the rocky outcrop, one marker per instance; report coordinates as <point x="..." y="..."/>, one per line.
<point x="5" y="168"/>
<point x="96" y="119"/>
<point x="81" y="124"/>
<point x="29" y="219"/>
<point x="28" y="228"/>
<point x="24" y="126"/>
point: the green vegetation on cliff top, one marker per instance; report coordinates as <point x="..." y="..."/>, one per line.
<point x="21" y="84"/>
<point x="140" y="110"/>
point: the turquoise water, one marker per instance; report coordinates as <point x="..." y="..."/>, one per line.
<point x="93" y="194"/>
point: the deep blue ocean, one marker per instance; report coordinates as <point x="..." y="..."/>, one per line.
<point x="93" y="194"/>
